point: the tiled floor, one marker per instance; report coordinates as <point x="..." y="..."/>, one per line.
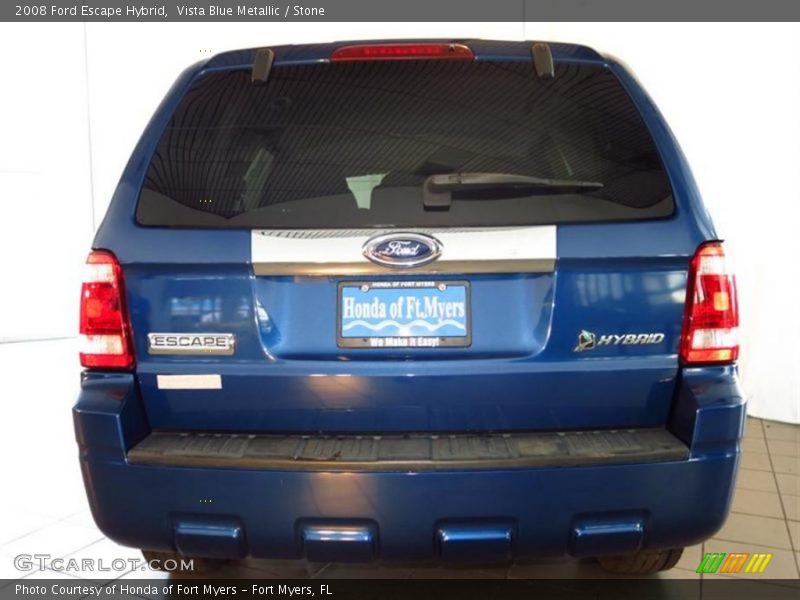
<point x="46" y="512"/>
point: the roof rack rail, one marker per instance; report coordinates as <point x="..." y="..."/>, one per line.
<point x="262" y="65"/>
<point x="542" y="60"/>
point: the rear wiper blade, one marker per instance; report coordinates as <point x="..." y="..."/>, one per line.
<point x="438" y="189"/>
<point x="461" y="181"/>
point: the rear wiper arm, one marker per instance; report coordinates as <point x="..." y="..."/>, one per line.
<point x="437" y="189"/>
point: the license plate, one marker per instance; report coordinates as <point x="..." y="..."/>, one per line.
<point x="404" y="314"/>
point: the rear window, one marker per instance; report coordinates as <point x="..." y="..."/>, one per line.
<point x="355" y="145"/>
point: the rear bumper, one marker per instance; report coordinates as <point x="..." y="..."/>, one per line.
<point x="409" y="453"/>
<point x="489" y="513"/>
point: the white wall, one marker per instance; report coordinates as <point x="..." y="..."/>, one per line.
<point x="731" y="93"/>
<point x="45" y="183"/>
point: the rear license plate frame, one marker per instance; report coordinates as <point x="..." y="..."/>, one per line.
<point x="405" y="342"/>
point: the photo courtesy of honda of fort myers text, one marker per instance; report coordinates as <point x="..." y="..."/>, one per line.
<point x="315" y="298"/>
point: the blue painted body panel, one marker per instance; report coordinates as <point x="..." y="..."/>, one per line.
<point x="551" y="511"/>
<point x="520" y="373"/>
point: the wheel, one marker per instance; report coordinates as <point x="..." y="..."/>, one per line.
<point x="641" y="563"/>
<point x="173" y="562"/>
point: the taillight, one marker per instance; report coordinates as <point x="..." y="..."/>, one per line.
<point x="711" y="321"/>
<point x="401" y="52"/>
<point x="105" y="338"/>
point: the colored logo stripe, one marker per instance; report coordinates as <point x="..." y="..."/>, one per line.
<point x="734" y="562"/>
<point x="758" y="563"/>
<point x="711" y="562"/>
<point x="722" y="562"/>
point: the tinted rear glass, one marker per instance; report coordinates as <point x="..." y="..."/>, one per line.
<point x="351" y="145"/>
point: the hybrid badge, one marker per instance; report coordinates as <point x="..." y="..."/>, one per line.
<point x="589" y="341"/>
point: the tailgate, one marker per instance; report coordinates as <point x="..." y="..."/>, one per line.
<point x="589" y="343"/>
<point x="406" y="246"/>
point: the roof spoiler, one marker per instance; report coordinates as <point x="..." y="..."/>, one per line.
<point x="262" y="65"/>
<point x="542" y="60"/>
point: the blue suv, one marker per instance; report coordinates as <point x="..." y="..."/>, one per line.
<point x="453" y="300"/>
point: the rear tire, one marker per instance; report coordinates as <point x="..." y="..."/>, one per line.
<point x="157" y="560"/>
<point x="641" y="563"/>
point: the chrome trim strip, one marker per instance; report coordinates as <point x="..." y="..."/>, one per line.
<point x="541" y="265"/>
<point x="465" y="251"/>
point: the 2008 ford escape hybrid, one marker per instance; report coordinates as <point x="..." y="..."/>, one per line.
<point x="455" y="300"/>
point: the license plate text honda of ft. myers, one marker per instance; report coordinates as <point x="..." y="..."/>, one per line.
<point x="450" y="300"/>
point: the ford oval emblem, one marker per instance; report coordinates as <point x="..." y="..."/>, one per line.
<point x="402" y="249"/>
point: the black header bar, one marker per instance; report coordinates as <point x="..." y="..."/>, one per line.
<point x="399" y="10"/>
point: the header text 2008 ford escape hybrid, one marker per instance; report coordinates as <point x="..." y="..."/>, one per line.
<point x="454" y="300"/>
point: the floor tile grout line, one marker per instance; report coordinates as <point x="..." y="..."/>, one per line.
<point x="783" y="455"/>
<point x="49" y="523"/>
<point x="24" y="535"/>
<point x="750" y="514"/>
<point x="37" y="339"/>
<point x="320" y="571"/>
<point x="767" y="441"/>
<point x="98" y="540"/>
<point x="747" y="489"/>
<point x="783" y="510"/>
<point x="703" y="575"/>
<point x="761" y="516"/>
<point x="702" y="555"/>
<point x="72" y="515"/>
